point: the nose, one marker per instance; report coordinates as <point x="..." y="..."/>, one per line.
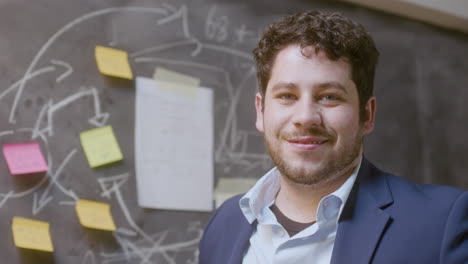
<point x="307" y="114"/>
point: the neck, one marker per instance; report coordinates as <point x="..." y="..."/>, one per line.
<point x="299" y="202"/>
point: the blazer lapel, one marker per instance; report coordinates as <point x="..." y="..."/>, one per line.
<point x="363" y="220"/>
<point x="241" y="242"/>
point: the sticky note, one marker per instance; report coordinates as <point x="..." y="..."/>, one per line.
<point x="24" y="158"/>
<point x="113" y="62"/>
<point x="100" y="146"/>
<point x="175" y="82"/>
<point x="95" y="215"/>
<point x="31" y="234"/>
<point x="229" y="187"/>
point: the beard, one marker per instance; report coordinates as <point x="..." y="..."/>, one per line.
<point x="331" y="167"/>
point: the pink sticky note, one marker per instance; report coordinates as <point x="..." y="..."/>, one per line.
<point x="24" y="158"/>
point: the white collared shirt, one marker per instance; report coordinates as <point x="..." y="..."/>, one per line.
<point x="270" y="242"/>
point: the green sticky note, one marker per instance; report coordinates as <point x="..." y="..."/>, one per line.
<point x="100" y="146"/>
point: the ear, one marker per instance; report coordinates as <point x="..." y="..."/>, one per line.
<point x="259" y="109"/>
<point x="369" y="121"/>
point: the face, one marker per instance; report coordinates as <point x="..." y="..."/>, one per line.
<point x="310" y="117"/>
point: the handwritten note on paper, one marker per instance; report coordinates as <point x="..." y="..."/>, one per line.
<point x="100" y="146"/>
<point x="173" y="148"/>
<point x="24" y="158"/>
<point x="113" y="62"/>
<point x="175" y="82"/>
<point x="95" y="215"/>
<point x="31" y="234"/>
<point x="229" y="187"/>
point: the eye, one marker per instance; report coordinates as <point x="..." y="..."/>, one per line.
<point x="287" y="96"/>
<point x="330" y="97"/>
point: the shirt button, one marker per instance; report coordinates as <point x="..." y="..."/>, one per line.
<point x="325" y="203"/>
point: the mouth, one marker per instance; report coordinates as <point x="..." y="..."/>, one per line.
<point x="307" y="143"/>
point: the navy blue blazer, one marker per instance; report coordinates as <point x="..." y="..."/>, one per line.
<point x="386" y="219"/>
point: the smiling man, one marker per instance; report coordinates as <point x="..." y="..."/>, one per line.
<point x="324" y="202"/>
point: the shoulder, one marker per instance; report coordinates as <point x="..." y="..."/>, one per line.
<point x="437" y="196"/>
<point x="229" y="211"/>
<point x="225" y="217"/>
<point x="404" y="193"/>
<point x="423" y="209"/>
<point x="432" y="220"/>
<point x="222" y="231"/>
<point x="434" y="212"/>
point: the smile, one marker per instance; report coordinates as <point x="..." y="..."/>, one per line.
<point x="306" y="143"/>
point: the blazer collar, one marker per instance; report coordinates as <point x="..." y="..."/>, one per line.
<point x="363" y="220"/>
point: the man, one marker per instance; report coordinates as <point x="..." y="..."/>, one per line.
<point x="324" y="202"/>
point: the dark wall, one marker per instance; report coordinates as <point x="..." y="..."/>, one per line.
<point x="421" y="87"/>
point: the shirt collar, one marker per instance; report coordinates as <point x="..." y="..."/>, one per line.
<point x="263" y="193"/>
<point x="345" y="189"/>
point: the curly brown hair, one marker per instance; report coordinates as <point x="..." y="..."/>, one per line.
<point x="337" y="36"/>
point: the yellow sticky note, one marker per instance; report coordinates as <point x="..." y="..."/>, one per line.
<point x="113" y="62"/>
<point x="100" y="146"/>
<point x="175" y="82"/>
<point x="229" y="187"/>
<point x="95" y="215"/>
<point x="31" y="234"/>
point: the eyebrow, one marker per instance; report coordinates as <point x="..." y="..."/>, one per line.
<point x="320" y="86"/>
<point x="283" y="85"/>
<point x="326" y="85"/>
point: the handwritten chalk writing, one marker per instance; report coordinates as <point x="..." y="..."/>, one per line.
<point x="216" y="27"/>
<point x="242" y="33"/>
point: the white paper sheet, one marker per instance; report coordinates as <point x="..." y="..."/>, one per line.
<point x="173" y="148"/>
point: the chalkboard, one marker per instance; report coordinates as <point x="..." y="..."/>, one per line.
<point x="50" y="89"/>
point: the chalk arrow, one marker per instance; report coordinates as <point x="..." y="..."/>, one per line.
<point x="45" y="198"/>
<point x="38" y="205"/>
<point x="88" y="258"/>
<point x="68" y="69"/>
<point x="45" y="120"/>
<point x="99" y="120"/>
<point x="180" y="13"/>
<point x="72" y="194"/>
<point x="112" y="184"/>
<point x="42" y="125"/>
<point x="5" y="198"/>
<point x="126" y="232"/>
